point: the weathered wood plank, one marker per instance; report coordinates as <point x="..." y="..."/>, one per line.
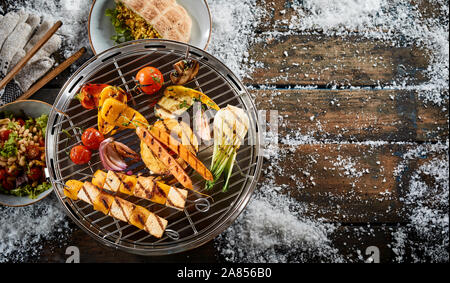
<point x="324" y="61"/>
<point x="355" y="115"/>
<point x="347" y="183"/>
<point x="280" y="13"/>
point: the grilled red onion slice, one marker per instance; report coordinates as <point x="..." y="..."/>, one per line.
<point x="112" y="155"/>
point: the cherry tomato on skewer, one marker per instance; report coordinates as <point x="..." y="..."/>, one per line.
<point x="80" y="154"/>
<point x="150" y="80"/>
<point x="92" y="138"/>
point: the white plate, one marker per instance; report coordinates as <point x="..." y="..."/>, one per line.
<point x="34" y="108"/>
<point x="101" y="29"/>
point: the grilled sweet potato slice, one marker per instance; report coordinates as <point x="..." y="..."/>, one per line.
<point x="182" y="152"/>
<point x="161" y="153"/>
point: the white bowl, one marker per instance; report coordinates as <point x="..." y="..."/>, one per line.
<point x="100" y="28"/>
<point x="33" y="108"/>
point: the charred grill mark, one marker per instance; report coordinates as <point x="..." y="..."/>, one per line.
<point x="105" y="202"/>
<point x="160" y="192"/>
<point x="107" y="112"/>
<point x="179" y="192"/>
<point x="88" y="196"/>
<point x="139" y="218"/>
<point x="126" y="185"/>
<point x="170" y="203"/>
<point x="118" y="116"/>
<point x="165" y="109"/>
<point x="108" y="183"/>
<point x="159" y="222"/>
<point x="121" y="208"/>
<point x="148" y="193"/>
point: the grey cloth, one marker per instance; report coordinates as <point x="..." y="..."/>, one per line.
<point x="18" y="40"/>
<point x="51" y="46"/>
<point x="9" y="22"/>
<point x="17" y="57"/>
<point x="27" y="76"/>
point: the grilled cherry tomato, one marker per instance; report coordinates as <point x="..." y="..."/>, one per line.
<point x="92" y="138"/>
<point x="33" y="152"/>
<point x="89" y="95"/>
<point x="4" y="135"/>
<point x="80" y="154"/>
<point x="150" y="80"/>
<point x="35" y="174"/>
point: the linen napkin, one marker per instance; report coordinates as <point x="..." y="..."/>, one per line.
<point x="19" y="32"/>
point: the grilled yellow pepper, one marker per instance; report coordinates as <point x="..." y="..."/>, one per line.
<point x="119" y="114"/>
<point x="180" y="90"/>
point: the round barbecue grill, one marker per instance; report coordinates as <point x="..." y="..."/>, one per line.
<point x="203" y="218"/>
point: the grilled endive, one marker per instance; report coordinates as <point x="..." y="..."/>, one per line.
<point x="230" y="128"/>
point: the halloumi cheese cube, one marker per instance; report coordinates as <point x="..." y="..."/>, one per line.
<point x="121" y="209"/>
<point x="112" y="182"/>
<point x="176" y="198"/>
<point x="89" y="193"/>
<point x="118" y="182"/>
<point x="155" y="225"/>
<point x="145" y="188"/>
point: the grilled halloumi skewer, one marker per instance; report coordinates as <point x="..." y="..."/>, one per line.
<point x="142" y="187"/>
<point x="116" y="207"/>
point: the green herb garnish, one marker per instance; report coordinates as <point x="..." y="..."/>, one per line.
<point x="123" y="33"/>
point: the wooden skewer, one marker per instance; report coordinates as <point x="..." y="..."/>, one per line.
<point x="30" y="54"/>
<point x="52" y="74"/>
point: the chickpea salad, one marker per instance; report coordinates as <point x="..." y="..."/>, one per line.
<point x="22" y="154"/>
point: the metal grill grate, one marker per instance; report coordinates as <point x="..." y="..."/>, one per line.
<point x="201" y="220"/>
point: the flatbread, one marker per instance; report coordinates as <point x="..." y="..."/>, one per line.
<point x="169" y="18"/>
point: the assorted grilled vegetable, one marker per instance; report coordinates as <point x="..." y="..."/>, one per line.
<point x="230" y="128"/>
<point x="168" y="147"/>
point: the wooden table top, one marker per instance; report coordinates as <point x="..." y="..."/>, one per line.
<point x="352" y="119"/>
